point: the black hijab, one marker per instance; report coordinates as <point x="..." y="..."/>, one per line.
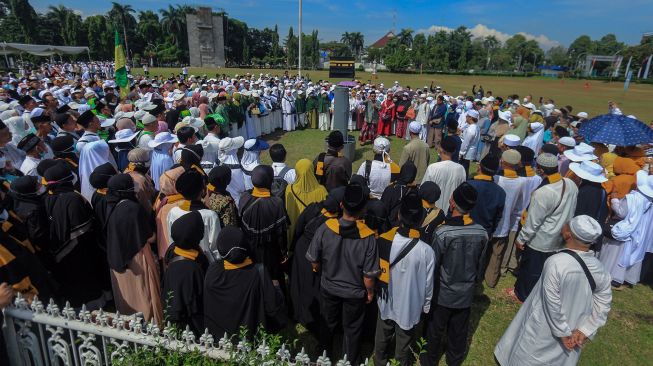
<point x="219" y="179"/>
<point x="99" y="179"/>
<point x="187" y="231"/>
<point x="232" y="245"/>
<point x="128" y="226"/>
<point x="376" y="216"/>
<point x="407" y="173"/>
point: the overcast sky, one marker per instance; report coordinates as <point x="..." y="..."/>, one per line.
<point x="550" y="22"/>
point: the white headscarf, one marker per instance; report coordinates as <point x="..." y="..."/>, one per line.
<point x="93" y="154"/>
<point x="237" y="185"/>
<point x="18" y="129"/>
<point x="160" y="162"/>
<point x="535" y="140"/>
<point x="250" y="160"/>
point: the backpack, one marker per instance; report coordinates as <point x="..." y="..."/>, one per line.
<point x="279" y="184"/>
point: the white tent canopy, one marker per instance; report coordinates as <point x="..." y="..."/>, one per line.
<point x="39" y="49"/>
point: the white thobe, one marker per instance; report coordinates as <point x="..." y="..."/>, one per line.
<point x="209" y="242"/>
<point x="379" y="179"/>
<point x="471" y="136"/>
<point x="511" y="208"/>
<point x="287" y="106"/>
<point x="448" y="175"/>
<point x="560" y="302"/>
<point x="411" y="284"/>
<point x="529" y="187"/>
<point x="236" y="186"/>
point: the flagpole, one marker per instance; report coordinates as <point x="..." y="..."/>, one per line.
<point x="299" y="71"/>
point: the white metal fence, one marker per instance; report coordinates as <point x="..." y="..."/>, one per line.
<point x="42" y="335"/>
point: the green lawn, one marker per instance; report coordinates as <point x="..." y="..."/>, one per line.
<point x="625" y="340"/>
<point x="592" y="99"/>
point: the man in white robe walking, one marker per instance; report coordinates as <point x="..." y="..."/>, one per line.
<point x="568" y="305"/>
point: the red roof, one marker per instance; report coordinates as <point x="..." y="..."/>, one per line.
<point x="383" y="41"/>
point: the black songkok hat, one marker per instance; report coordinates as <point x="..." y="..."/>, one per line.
<point x="429" y="191"/>
<point x="355" y="198"/>
<point x="465" y="196"/>
<point x="262" y="176"/>
<point x="29" y="142"/>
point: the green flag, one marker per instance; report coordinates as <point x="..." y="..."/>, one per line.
<point x="120" y="73"/>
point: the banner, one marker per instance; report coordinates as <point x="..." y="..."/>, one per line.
<point x="120" y="73"/>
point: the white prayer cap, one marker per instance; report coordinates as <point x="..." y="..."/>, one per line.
<point x="429" y="98"/>
<point x="473" y="113"/>
<point x="582" y="115"/>
<point x="536" y="126"/>
<point x="422" y="95"/>
<point x="645" y="183"/>
<point x="511" y="140"/>
<point x="585" y="229"/>
<point x="415" y="127"/>
<point x="567" y="141"/>
<point x="148" y="119"/>
<point x="589" y="171"/>
<point x="530" y="106"/>
<point x="468" y="104"/>
<point x="629" y="116"/>
<point x="381" y="144"/>
<point x="516" y="101"/>
<point x="581" y="152"/>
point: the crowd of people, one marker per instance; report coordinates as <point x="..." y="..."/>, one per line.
<point x="154" y="200"/>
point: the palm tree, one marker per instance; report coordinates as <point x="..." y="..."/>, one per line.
<point x="122" y="12"/>
<point x="346" y="39"/>
<point x="173" y="21"/>
<point x="406" y="37"/>
<point x="357" y="42"/>
<point x="59" y="14"/>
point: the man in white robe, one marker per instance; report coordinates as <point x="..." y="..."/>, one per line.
<point x="227" y="155"/>
<point x="563" y="310"/>
<point x="288" y="108"/>
<point x="447" y="174"/>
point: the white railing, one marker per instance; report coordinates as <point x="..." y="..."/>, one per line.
<point x="38" y="335"/>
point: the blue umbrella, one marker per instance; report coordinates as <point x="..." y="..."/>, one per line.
<point x="617" y="130"/>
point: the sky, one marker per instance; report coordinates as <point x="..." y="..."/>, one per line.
<point x="551" y="23"/>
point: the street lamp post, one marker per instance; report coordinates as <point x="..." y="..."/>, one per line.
<point x="299" y="71"/>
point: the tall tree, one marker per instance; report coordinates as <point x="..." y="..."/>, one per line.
<point x="99" y="40"/>
<point x="406" y="37"/>
<point x="291" y="48"/>
<point x="490" y="44"/>
<point x="25" y="17"/>
<point x="121" y="16"/>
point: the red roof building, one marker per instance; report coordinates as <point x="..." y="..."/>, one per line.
<point x="383" y="41"/>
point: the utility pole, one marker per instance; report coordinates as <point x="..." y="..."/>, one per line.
<point x="300" y="40"/>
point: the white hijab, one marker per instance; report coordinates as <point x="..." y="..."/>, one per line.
<point x="535" y="140"/>
<point x="18" y="129"/>
<point x="93" y="154"/>
<point x="250" y="160"/>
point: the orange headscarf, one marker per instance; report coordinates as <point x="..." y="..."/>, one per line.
<point x="172" y="199"/>
<point x="624" y="181"/>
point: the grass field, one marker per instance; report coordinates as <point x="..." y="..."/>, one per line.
<point x="628" y="336"/>
<point x="592" y="99"/>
